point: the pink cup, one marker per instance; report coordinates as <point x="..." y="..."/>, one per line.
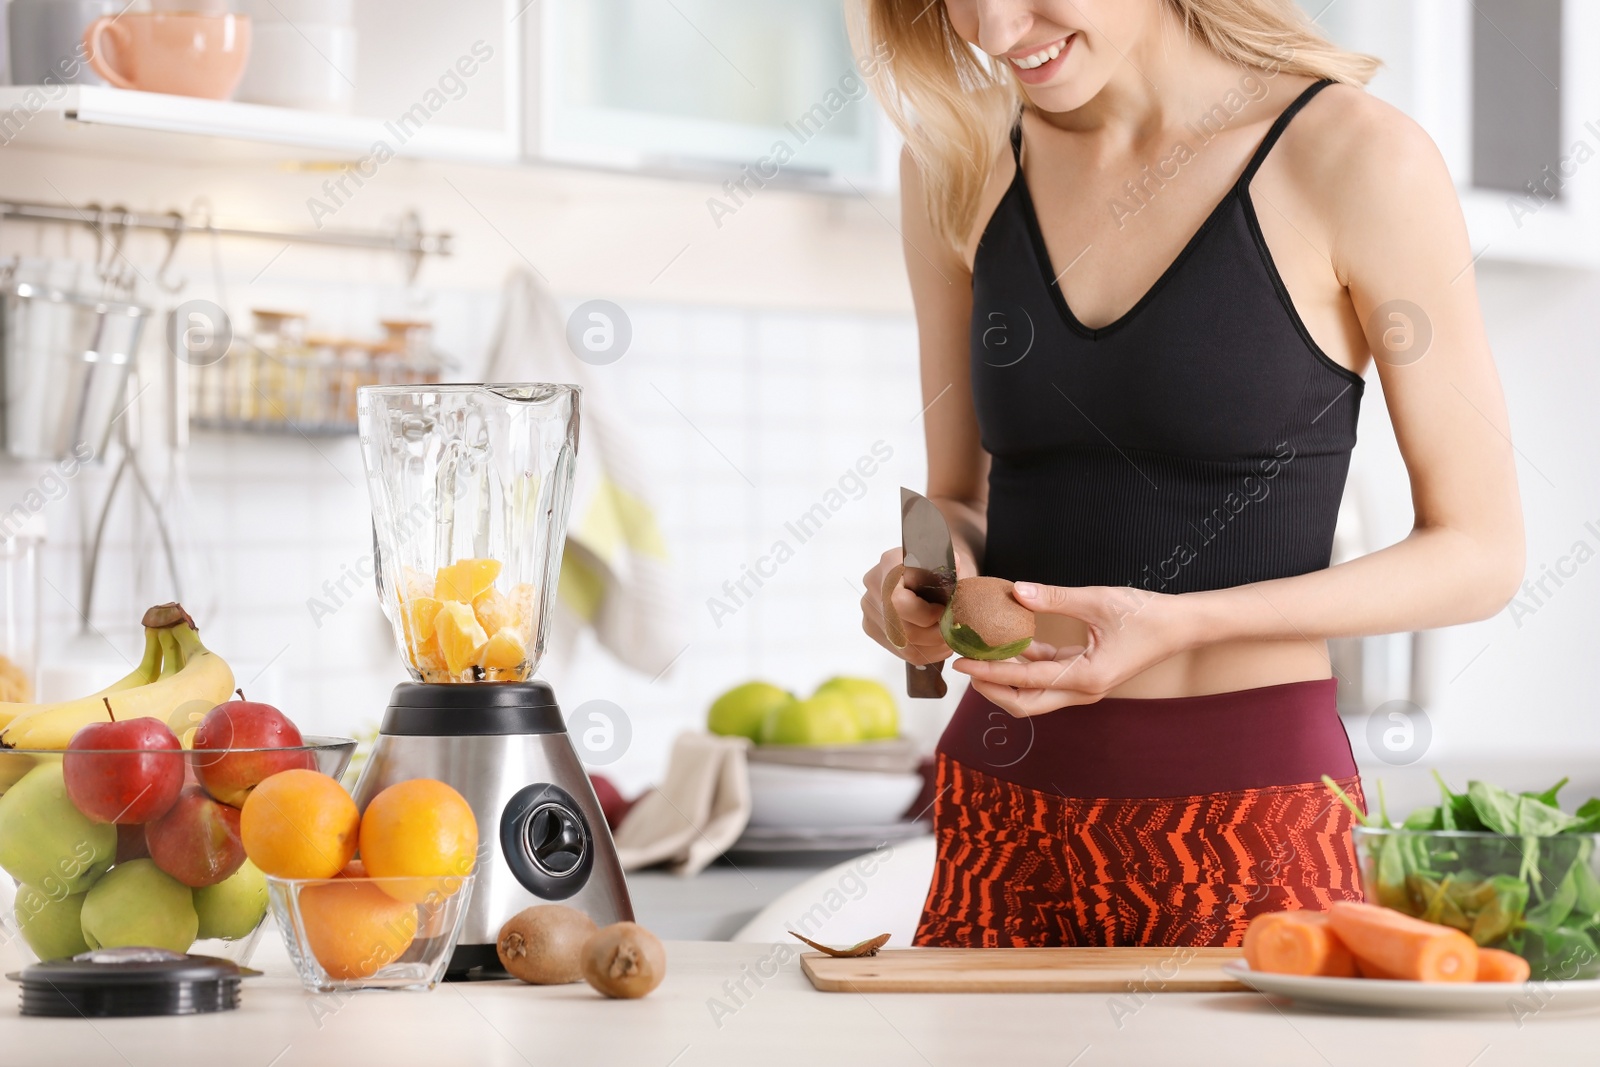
<point x="182" y="53"/>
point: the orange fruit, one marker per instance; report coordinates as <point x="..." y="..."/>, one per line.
<point x="493" y="610"/>
<point x="460" y="637"/>
<point x="420" y="613"/>
<point x="354" y="928"/>
<point x="419" y="829"/>
<point x="414" y="584"/>
<point x="299" y="824"/>
<point x="504" y="651"/>
<point x="464" y="579"/>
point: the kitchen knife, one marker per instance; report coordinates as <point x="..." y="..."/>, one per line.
<point x="930" y="562"/>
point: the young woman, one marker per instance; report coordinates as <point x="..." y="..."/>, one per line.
<point x="1154" y="247"/>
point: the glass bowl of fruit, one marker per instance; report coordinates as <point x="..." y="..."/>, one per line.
<point x="388" y="920"/>
<point x="357" y="932"/>
<point x="127" y="835"/>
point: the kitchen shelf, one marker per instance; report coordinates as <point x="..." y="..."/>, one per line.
<point x="157" y="126"/>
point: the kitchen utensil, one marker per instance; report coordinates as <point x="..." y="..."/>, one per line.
<point x="930" y="562"/>
<point x="1377" y="995"/>
<point x="818" y="797"/>
<point x="46" y="40"/>
<point x="484" y="472"/>
<point x="20" y="545"/>
<point x="167" y="52"/>
<point x="300" y="65"/>
<point x="1027" y="970"/>
<point x="420" y="938"/>
<point x="121" y="982"/>
<point x="65" y="366"/>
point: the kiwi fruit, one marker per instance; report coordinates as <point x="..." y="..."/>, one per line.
<point x="984" y="621"/>
<point x="544" y="944"/>
<point x="624" y="960"/>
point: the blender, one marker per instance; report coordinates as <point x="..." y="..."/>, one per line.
<point x="470" y="486"/>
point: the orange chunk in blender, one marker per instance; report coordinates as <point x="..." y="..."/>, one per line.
<point x="420" y="614"/>
<point x="465" y="579"/>
<point x="414" y="584"/>
<point x="461" y="638"/>
<point x="505" y="651"/>
<point x="494" y="611"/>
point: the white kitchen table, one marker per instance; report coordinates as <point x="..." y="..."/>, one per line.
<point x="783" y="1021"/>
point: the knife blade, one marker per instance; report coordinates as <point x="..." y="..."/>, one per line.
<point x="930" y="562"/>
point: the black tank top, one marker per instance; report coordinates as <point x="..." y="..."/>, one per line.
<point x="1200" y="441"/>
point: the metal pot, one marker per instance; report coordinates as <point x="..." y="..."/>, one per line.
<point x="64" y="362"/>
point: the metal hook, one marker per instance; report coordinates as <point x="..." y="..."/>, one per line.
<point x="174" y="237"/>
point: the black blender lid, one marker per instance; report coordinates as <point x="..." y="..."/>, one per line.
<point x="457" y="709"/>
<point x="107" y="982"/>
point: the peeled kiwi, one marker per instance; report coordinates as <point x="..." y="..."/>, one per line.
<point x="624" y="960"/>
<point x="984" y="621"/>
<point x="544" y="944"/>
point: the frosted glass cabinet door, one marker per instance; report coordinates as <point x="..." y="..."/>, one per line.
<point x="701" y="85"/>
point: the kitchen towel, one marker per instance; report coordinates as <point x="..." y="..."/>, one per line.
<point x="696" y="813"/>
<point x="615" y="574"/>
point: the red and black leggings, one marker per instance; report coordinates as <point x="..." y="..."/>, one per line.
<point x="1139" y="822"/>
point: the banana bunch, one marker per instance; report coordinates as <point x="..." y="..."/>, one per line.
<point x="177" y="681"/>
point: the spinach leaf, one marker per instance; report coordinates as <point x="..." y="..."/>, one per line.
<point x="1588" y="816"/>
<point x="1456" y="810"/>
<point x="1557" y="906"/>
<point x="1549" y="795"/>
<point x="1587" y="903"/>
<point x="1535" y="818"/>
<point x="1496" y="808"/>
<point x="1426" y="819"/>
<point x="1500" y="905"/>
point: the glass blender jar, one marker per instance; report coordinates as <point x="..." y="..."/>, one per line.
<point x="470" y="486"/>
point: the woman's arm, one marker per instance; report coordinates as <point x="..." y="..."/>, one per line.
<point x="1399" y="245"/>
<point x="958" y="468"/>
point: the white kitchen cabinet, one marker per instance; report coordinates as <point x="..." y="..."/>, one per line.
<point x="723" y="87"/>
<point x="1509" y="91"/>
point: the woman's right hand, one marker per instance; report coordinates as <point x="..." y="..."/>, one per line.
<point x="918" y="618"/>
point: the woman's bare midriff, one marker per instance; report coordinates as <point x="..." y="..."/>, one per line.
<point x="1220" y="668"/>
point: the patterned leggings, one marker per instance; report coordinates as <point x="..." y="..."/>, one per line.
<point x="1018" y="866"/>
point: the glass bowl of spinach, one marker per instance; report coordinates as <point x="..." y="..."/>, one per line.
<point x="1513" y="870"/>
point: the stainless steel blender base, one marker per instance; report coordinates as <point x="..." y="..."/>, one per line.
<point x="542" y="837"/>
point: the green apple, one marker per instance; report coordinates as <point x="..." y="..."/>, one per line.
<point x="874" y="705"/>
<point x="741" y="710"/>
<point x="825" y="719"/>
<point x="46" y="842"/>
<point x="137" y="903"/>
<point x="234" y="906"/>
<point x="52" y="926"/>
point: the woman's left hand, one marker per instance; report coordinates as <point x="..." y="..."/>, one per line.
<point x="1130" y="630"/>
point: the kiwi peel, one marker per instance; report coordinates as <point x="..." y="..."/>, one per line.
<point x="984" y="621"/>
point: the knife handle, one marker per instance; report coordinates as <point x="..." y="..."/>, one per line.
<point x="925" y="682"/>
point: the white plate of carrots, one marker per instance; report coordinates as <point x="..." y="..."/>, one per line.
<point x="1362" y="955"/>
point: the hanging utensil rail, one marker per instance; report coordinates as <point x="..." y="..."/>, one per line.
<point x="407" y="238"/>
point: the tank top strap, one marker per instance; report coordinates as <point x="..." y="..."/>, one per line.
<point x="1016" y="141"/>
<point x="1280" y="124"/>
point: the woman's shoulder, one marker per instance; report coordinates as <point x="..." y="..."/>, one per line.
<point x="1354" y="143"/>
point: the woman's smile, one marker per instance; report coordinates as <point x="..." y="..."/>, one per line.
<point x="1039" y="65"/>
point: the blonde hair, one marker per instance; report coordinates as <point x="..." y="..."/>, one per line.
<point x="955" y="107"/>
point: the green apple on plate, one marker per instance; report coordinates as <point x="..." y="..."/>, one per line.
<point x="873" y="703"/>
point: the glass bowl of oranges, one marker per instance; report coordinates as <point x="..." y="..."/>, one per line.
<point x="386" y="920"/>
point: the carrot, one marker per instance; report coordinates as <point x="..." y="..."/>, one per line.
<point x="1403" y="947"/>
<point x="1498" y="965"/>
<point x="1368" y="970"/>
<point x="1296" y="942"/>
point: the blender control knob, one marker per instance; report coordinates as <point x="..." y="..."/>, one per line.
<point x="546" y="841"/>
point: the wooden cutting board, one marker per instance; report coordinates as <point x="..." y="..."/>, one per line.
<point x="1026" y="970"/>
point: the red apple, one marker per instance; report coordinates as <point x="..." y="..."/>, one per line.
<point x="126" y="771"/>
<point x="229" y="775"/>
<point x="197" y="841"/>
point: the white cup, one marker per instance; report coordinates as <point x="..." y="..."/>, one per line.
<point x="191" y="7"/>
<point x="301" y="65"/>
